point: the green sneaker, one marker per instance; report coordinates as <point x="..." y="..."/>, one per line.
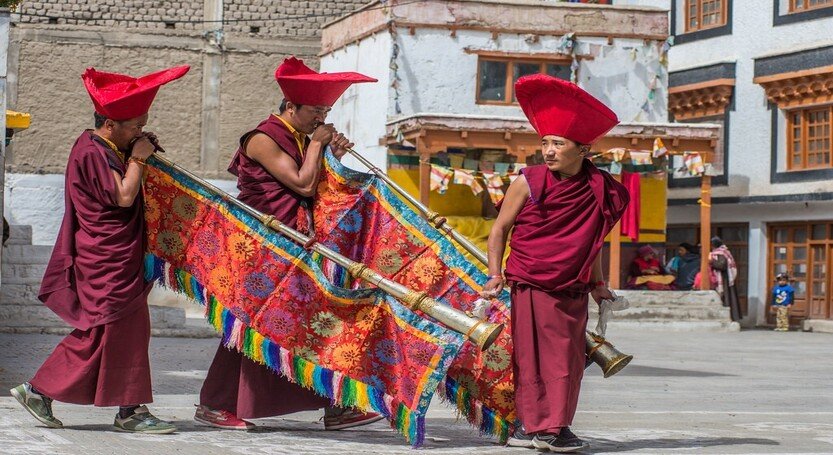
<point x="142" y="421"/>
<point x="38" y="405"/>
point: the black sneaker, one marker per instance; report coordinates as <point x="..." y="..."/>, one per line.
<point x="520" y="438"/>
<point x="565" y="442"/>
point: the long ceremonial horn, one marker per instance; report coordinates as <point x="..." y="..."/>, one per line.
<point x="591" y="347"/>
<point x="480" y="332"/>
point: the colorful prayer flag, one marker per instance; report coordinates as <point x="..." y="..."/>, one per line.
<point x="659" y="148"/>
<point x="440" y="178"/>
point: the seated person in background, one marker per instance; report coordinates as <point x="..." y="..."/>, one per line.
<point x="646" y="271"/>
<point x="688" y="266"/>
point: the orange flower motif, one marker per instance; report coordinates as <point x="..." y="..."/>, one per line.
<point x="428" y="270"/>
<point x="152" y="212"/>
<point x="367" y="318"/>
<point x="222" y="282"/>
<point x="347" y="356"/>
<point x="240" y="247"/>
<point x="503" y="396"/>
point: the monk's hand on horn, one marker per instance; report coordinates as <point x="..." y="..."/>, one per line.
<point x="492" y="287"/>
<point x="154" y="140"/>
<point x="600" y="293"/>
<point x="339" y="145"/>
<point x="141" y="148"/>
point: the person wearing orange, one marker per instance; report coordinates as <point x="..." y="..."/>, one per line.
<point x="95" y="278"/>
<point x="559" y="214"/>
<point x="277" y="167"/>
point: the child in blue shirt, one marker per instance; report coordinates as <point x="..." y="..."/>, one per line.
<point x="782" y="299"/>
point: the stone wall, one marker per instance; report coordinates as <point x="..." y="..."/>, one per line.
<point x="258" y="17"/>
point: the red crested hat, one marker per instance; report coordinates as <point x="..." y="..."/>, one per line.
<point x="302" y="85"/>
<point x="121" y="97"/>
<point x="561" y="108"/>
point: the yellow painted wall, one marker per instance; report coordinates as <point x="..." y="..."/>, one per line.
<point x="457" y="201"/>
<point x="653" y="198"/>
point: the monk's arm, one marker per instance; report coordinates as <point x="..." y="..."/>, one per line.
<point x="279" y="164"/>
<point x="516" y="197"/>
<point x="598" y="273"/>
<point x="128" y="187"/>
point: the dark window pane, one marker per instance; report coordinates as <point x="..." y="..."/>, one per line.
<point x="800" y="235"/>
<point x="781" y="235"/>
<point x="559" y="71"/>
<point x="819" y="231"/>
<point x="492" y="81"/>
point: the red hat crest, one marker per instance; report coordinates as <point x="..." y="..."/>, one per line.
<point x="561" y="108"/>
<point x="120" y="97"/>
<point x="302" y="85"/>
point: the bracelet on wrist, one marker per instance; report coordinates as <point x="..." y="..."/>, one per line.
<point x="136" y="160"/>
<point x="599" y="283"/>
<point x="494" y="276"/>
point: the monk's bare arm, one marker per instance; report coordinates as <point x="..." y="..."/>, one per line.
<point x="128" y="187"/>
<point x="280" y="165"/>
<point x="598" y="273"/>
<point x="516" y="197"/>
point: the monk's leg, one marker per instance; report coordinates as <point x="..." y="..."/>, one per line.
<point x="219" y="390"/>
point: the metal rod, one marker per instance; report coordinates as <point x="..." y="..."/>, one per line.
<point x="481" y="333"/>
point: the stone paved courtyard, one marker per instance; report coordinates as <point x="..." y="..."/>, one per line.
<point x="686" y="392"/>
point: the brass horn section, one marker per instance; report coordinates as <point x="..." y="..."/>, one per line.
<point x="605" y="355"/>
<point x="481" y="333"/>
<point x="440" y="223"/>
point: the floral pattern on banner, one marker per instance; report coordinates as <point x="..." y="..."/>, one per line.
<point x="272" y="286"/>
<point x="359" y="216"/>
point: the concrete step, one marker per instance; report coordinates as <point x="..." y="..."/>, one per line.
<point x="671" y="298"/>
<point x="27" y="254"/>
<point x="619" y="326"/>
<point x="19" y="234"/>
<point x="673" y="314"/>
<point x="31" y="274"/>
<point x="19" y="294"/>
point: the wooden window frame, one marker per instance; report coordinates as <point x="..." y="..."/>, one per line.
<point x="803" y="111"/>
<point x="792" y="9"/>
<point x="724" y="11"/>
<point x="510" y="74"/>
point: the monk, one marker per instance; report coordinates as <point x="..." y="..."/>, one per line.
<point x="277" y="168"/>
<point x="95" y="278"/>
<point x="561" y="212"/>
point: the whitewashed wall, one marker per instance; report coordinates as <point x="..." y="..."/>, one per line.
<point x="38" y="200"/>
<point x="439" y="76"/>
<point x="361" y="113"/>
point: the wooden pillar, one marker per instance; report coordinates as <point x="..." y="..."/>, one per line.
<point x="424" y="171"/>
<point x="615" y="252"/>
<point x="705" y="230"/>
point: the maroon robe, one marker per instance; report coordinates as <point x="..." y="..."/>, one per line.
<point x="557" y="236"/>
<point x="235" y="383"/>
<point x="95" y="282"/>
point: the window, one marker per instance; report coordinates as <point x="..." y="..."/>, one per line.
<point x="809" y="144"/>
<point x="496" y="76"/>
<point x="798" y="6"/>
<point x="705" y="14"/>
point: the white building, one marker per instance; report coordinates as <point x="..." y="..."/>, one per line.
<point x="764" y="69"/>
<point x="446" y="71"/>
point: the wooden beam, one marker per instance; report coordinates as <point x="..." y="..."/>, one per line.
<point x="615" y="252"/>
<point x="705" y="231"/>
<point x="424" y="171"/>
